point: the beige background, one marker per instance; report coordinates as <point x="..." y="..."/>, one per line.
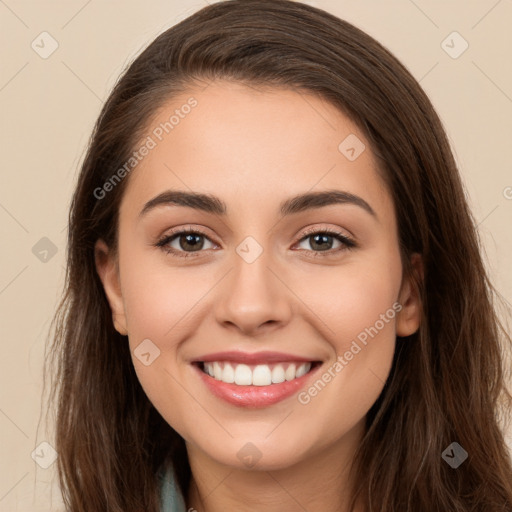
<point x="48" y="109"/>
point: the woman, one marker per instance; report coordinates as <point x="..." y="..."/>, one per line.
<point x="275" y="296"/>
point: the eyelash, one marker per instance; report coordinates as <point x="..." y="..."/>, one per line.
<point x="347" y="242"/>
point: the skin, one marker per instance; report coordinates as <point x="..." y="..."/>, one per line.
<point x="253" y="149"/>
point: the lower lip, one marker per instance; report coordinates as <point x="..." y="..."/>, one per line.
<point x="254" y="396"/>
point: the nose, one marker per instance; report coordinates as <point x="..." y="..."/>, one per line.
<point x="254" y="298"/>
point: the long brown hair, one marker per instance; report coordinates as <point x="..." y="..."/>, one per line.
<point x="447" y="383"/>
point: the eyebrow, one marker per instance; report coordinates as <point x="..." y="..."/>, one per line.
<point x="211" y="204"/>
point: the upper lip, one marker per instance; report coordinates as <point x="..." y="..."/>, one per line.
<point x="253" y="358"/>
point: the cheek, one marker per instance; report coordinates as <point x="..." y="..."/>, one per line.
<point x="159" y="304"/>
<point x="352" y="300"/>
<point x="159" y="300"/>
<point x="358" y="309"/>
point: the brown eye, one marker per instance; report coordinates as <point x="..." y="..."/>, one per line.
<point x="190" y="241"/>
<point x="183" y="243"/>
<point x="323" y="240"/>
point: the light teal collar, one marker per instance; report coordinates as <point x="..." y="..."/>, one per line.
<point x="171" y="496"/>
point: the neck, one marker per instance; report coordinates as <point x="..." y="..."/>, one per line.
<point x="319" y="483"/>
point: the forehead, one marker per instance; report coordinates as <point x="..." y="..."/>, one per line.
<point x="252" y="145"/>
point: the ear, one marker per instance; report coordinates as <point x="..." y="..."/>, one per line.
<point x="408" y="319"/>
<point x="108" y="270"/>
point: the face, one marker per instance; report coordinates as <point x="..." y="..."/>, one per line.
<point x="259" y="286"/>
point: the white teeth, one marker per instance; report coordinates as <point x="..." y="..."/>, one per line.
<point x="261" y="376"/>
<point x="217" y="370"/>
<point x="278" y="374"/>
<point x="302" y="370"/>
<point x="228" y="375"/>
<point x="243" y="375"/>
<point x="258" y="375"/>
<point x="289" y="374"/>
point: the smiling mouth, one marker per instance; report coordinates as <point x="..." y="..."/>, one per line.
<point x="256" y="375"/>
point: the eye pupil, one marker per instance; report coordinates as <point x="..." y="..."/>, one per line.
<point x="192" y="240"/>
<point x="324" y="239"/>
